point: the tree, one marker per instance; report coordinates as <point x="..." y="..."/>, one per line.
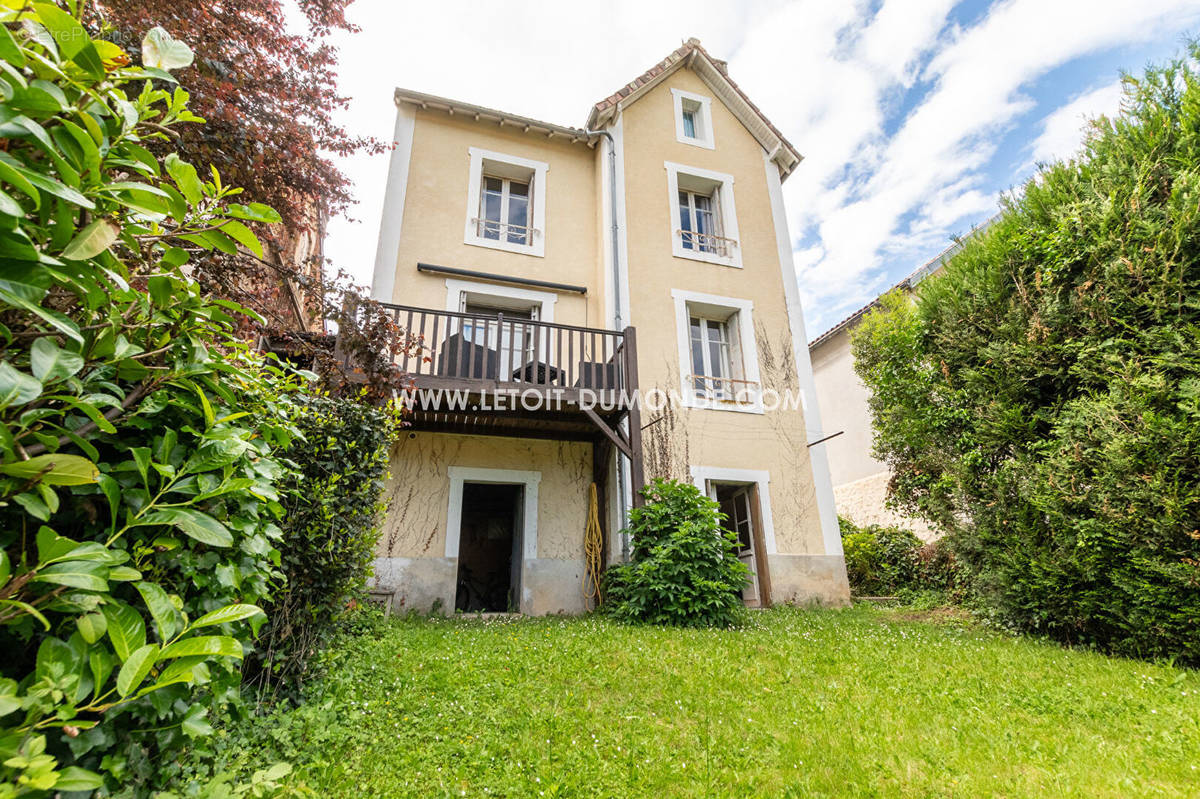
<point x="1041" y="400"/>
<point x="268" y="96"/>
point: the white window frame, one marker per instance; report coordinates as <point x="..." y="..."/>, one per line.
<point x="704" y="135"/>
<point x="703" y="475"/>
<point x="537" y="200"/>
<point x="457" y="291"/>
<point x="741" y="323"/>
<point x="725" y="211"/>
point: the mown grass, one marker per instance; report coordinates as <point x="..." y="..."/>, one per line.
<point x="859" y="702"/>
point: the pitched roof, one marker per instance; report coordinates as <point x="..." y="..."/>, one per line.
<point x="714" y="72"/>
<point x="479" y="112"/>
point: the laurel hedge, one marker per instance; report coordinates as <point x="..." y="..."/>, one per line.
<point x="1041" y="399"/>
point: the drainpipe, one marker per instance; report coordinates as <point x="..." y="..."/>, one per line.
<point x="617" y="318"/>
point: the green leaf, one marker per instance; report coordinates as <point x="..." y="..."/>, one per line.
<point x="162" y="51"/>
<point x="87" y="575"/>
<point x="52" y="547"/>
<point x="19" y="181"/>
<point x="74" y="778"/>
<point x="9" y="206"/>
<point x="92" y="240"/>
<point x="91" y="626"/>
<point x="254" y="212"/>
<point x="126" y="629"/>
<point x="198" y="525"/>
<point x="10" y="51"/>
<point x="62" y="470"/>
<point x="165" y="615"/>
<point x="50" y="362"/>
<point x="243" y="236"/>
<point x="72" y="40"/>
<point x="17" y="387"/>
<point x="135" y="668"/>
<point x="162" y="290"/>
<point x="185" y="177"/>
<point x="208" y="645"/>
<point x="227" y="614"/>
<point x="194" y="724"/>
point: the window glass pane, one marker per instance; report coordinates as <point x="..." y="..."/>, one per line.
<point x="689" y="123"/>
<point x="492" y="184"/>
<point x="490" y="213"/>
<point x="518" y="189"/>
<point x="697" y="351"/>
<point x="705" y="223"/>
<point x="685" y="220"/>
<point x="518" y="218"/>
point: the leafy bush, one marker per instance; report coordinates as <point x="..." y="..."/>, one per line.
<point x="331" y="502"/>
<point x="880" y="561"/>
<point x="1041" y="399"/>
<point x="684" y="569"/>
<point x="139" y="438"/>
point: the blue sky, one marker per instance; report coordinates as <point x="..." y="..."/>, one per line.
<point x="913" y="115"/>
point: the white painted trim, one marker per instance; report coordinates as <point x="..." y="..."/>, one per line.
<point x="760" y="477"/>
<point x="537" y="245"/>
<point x="706" y="139"/>
<point x="467" y="474"/>
<point x="622" y="307"/>
<point x="544" y="299"/>
<point x="746" y="342"/>
<point x="383" y="279"/>
<point x="818" y="457"/>
<point x="728" y="212"/>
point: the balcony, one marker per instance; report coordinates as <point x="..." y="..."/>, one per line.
<point x="496" y="375"/>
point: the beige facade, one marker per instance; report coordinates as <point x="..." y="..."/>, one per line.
<point x="659" y="279"/>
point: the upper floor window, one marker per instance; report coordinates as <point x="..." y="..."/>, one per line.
<point x="506" y="203"/>
<point x="718" y="355"/>
<point x="704" y="219"/>
<point x="504" y="211"/>
<point x="693" y="118"/>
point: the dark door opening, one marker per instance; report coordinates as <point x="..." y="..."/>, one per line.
<point x="489" y="548"/>
<point x="739" y="503"/>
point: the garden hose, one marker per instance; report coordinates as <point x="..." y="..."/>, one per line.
<point x="593" y="552"/>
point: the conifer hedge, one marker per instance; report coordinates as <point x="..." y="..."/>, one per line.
<point x="1040" y="401"/>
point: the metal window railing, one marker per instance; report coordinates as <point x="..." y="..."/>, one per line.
<point x="504" y="231"/>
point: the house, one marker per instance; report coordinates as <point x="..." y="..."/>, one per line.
<point x="860" y="482"/>
<point x="596" y="306"/>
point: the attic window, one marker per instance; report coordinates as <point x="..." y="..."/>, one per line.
<point x="693" y="118"/>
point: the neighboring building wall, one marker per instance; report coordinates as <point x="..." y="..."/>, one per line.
<point x="801" y="566"/>
<point x="412" y="555"/>
<point x="859" y="481"/>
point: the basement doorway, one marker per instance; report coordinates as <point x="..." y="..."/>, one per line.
<point x="490" y="547"/>
<point x="743" y="516"/>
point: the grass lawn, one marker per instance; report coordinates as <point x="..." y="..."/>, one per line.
<point x="859" y="702"/>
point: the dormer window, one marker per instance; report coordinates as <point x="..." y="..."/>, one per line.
<point x="506" y="203"/>
<point x="693" y="118"/>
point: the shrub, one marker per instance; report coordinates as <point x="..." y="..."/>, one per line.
<point x="880" y="561"/>
<point x="138" y="437"/>
<point x="684" y="569"/>
<point x="331" y="502"/>
<point x="1041" y="399"/>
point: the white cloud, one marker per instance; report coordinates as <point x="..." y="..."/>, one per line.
<point x="1064" y="129"/>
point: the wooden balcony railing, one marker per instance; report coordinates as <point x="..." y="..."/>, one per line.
<point x="467" y="348"/>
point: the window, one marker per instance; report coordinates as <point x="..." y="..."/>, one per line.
<point x="711" y="365"/>
<point x="718" y="357"/>
<point x="704" y="220"/>
<point x="698" y="223"/>
<point x="693" y="118"/>
<point x="504" y="211"/>
<point x="506" y="203"/>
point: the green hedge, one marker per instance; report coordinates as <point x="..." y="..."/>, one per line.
<point x="1041" y="400"/>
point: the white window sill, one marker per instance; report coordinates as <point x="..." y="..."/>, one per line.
<point x="707" y="145"/>
<point x="707" y="257"/>
<point x="536" y="249"/>
<point x="708" y="404"/>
